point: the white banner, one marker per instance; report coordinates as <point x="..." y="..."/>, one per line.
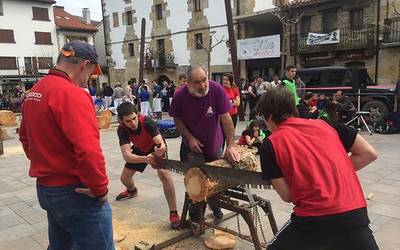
<point x="259" y="47"/>
<point x="317" y="39"/>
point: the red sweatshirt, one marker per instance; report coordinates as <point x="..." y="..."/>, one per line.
<point x="60" y="136"/>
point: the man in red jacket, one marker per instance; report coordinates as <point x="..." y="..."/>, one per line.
<point x="329" y="205"/>
<point x="60" y="136"/>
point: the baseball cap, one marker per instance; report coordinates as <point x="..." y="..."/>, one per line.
<point x="84" y="51"/>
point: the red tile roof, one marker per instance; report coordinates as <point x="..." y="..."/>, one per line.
<point x="46" y="1"/>
<point x="66" y="21"/>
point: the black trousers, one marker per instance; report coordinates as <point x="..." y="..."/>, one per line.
<point x="296" y="237"/>
<point x="234" y="119"/>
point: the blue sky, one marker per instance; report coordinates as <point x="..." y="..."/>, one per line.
<point x="75" y="7"/>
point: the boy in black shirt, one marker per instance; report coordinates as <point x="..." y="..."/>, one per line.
<point x="148" y="146"/>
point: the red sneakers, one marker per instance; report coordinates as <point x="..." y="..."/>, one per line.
<point x="127" y="194"/>
<point x="175" y="220"/>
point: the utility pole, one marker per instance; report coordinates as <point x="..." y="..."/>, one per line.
<point x="377" y="41"/>
<point x="232" y="43"/>
<point x="105" y="41"/>
<point x="142" y="41"/>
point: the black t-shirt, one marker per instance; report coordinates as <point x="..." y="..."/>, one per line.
<point x="269" y="167"/>
<point x="149" y="124"/>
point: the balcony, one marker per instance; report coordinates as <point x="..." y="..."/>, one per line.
<point x="297" y="3"/>
<point x="159" y="60"/>
<point x="391" y="33"/>
<point x="349" y="39"/>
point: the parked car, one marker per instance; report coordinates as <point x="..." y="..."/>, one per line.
<point x="377" y="99"/>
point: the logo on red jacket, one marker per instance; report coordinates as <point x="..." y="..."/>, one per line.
<point x="33" y="96"/>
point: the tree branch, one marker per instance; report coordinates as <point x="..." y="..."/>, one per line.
<point x="395" y="9"/>
<point x="218" y="42"/>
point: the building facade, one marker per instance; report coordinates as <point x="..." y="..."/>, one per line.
<point x="71" y="27"/>
<point x="366" y="33"/>
<point x="178" y="33"/>
<point x="28" y="43"/>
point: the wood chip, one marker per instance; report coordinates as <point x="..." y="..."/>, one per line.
<point x="220" y="241"/>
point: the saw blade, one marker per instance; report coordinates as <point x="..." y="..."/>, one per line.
<point x="251" y="179"/>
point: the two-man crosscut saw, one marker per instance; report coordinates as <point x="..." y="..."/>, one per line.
<point x="236" y="176"/>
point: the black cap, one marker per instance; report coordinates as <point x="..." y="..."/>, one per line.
<point x="82" y="50"/>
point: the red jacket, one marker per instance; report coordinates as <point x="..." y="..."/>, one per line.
<point x="232" y="93"/>
<point x="322" y="182"/>
<point x="60" y="136"/>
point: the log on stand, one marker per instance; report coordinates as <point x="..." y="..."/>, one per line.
<point x="224" y="195"/>
<point x="104" y="119"/>
<point x="199" y="187"/>
<point x="7" y="118"/>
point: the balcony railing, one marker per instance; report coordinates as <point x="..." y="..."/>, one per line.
<point x="392" y="30"/>
<point x="159" y="60"/>
<point x="363" y="38"/>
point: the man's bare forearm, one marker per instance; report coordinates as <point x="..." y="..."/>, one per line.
<point x="180" y="125"/>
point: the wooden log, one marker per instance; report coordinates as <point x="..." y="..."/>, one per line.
<point x="103" y="121"/>
<point x="7" y="118"/>
<point x="199" y="187"/>
<point x="106" y="113"/>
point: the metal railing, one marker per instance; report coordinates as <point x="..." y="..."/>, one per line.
<point x="349" y="39"/>
<point x="160" y="60"/>
<point x="392" y="30"/>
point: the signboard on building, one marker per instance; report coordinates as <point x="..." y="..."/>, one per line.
<point x="259" y="47"/>
<point x="319" y="39"/>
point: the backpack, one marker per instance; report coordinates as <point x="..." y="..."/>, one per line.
<point x="390" y="125"/>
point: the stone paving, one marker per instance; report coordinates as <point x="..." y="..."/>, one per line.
<point x="23" y="223"/>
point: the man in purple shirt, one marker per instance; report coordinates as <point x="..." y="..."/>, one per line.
<point x="199" y="109"/>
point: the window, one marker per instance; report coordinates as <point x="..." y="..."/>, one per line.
<point x="161" y="52"/>
<point x="198" y="39"/>
<point x="72" y="38"/>
<point x="305" y="25"/>
<point x="1" y="8"/>
<point x="43" y="38"/>
<point x="129" y="18"/>
<point x="8" y="63"/>
<point x="7" y="36"/>
<point x="41" y="14"/>
<point x="329" y="20"/>
<point x="159" y="11"/>
<point x="115" y="20"/>
<point x="197" y="5"/>
<point x="45" y="62"/>
<point x="356" y="19"/>
<point x="131" y="49"/>
<point x="28" y="65"/>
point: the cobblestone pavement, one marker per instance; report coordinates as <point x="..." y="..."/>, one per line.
<point x="23" y="223"/>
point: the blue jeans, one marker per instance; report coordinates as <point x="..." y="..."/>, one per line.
<point x="76" y="221"/>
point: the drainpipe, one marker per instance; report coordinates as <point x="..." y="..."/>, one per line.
<point x="377" y="42"/>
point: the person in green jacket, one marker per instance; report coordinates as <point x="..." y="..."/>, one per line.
<point x="289" y="82"/>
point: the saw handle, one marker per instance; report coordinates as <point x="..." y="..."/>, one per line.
<point x="158" y="159"/>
